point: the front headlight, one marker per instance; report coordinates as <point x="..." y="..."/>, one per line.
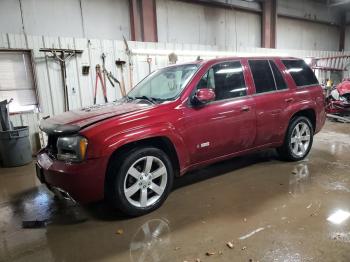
<point x="71" y="148"/>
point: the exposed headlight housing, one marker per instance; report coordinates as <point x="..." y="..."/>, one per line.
<point x="343" y="99"/>
<point x="71" y="148"/>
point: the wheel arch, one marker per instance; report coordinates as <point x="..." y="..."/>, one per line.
<point x="161" y="142"/>
<point x="309" y="113"/>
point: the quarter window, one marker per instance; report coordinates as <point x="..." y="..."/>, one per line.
<point x="262" y="75"/>
<point x="280" y="84"/>
<point x="300" y="72"/>
<point x="226" y="79"/>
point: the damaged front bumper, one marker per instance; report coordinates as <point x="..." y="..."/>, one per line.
<point x="81" y="182"/>
<point x="338" y="107"/>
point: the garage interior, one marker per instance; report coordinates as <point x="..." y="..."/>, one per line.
<point x="248" y="208"/>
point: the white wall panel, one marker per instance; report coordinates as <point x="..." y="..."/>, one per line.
<point x="180" y="22"/>
<point x="308" y="9"/>
<point x="347" y="39"/>
<point x="52" y="18"/>
<point x="10" y="17"/>
<point x="104" y="19"/>
<point x="295" y="34"/>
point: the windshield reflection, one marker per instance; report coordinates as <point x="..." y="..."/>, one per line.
<point x="164" y="84"/>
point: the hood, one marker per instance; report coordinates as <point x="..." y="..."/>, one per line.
<point x="344" y="88"/>
<point x="72" y="121"/>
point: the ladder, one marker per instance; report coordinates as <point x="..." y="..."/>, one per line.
<point x="331" y="63"/>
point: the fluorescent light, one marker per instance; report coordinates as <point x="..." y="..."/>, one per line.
<point x="308" y="60"/>
<point x="238" y="90"/>
<point x="229" y="70"/>
<point x="338" y="217"/>
<point x="17" y="108"/>
<point x="295" y="70"/>
<point x="202" y="53"/>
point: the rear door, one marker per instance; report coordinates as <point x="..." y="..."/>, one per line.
<point x="271" y="96"/>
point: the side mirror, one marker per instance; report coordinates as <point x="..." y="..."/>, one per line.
<point x="203" y="96"/>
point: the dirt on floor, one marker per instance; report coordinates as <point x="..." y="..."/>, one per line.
<point x="250" y="208"/>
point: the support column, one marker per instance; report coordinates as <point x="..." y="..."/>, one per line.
<point x="143" y="20"/>
<point x="269" y="20"/>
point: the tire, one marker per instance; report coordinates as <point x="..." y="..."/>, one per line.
<point x="288" y="151"/>
<point x="133" y="186"/>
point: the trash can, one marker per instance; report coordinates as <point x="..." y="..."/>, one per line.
<point x="15" y="149"/>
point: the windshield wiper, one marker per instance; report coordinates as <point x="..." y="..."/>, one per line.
<point x="151" y="99"/>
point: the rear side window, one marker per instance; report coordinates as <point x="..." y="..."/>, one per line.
<point x="280" y="84"/>
<point x="300" y="72"/>
<point x="262" y="75"/>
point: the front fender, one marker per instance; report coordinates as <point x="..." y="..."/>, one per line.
<point x="111" y="143"/>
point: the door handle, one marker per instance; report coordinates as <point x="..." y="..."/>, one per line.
<point x="245" y="108"/>
<point x="289" y="100"/>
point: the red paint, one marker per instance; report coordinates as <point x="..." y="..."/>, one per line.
<point x="344" y="87"/>
<point x="232" y="127"/>
<point x="205" y="95"/>
<point x="340" y="107"/>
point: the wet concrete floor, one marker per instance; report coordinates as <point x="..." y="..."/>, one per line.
<point x="269" y="210"/>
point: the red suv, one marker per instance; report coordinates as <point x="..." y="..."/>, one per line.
<point x="177" y="119"/>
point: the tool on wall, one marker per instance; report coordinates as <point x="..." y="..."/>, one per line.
<point x="85" y="70"/>
<point x="103" y="84"/>
<point x="103" y="56"/>
<point x="149" y="62"/>
<point x="120" y="64"/>
<point x="62" y="56"/>
<point x="131" y="66"/>
<point x="172" y="58"/>
<point x="109" y="75"/>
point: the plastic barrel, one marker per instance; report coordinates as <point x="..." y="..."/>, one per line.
<point x="15" y="149"/>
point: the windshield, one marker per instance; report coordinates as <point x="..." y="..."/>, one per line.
<point x="164" y="84"/>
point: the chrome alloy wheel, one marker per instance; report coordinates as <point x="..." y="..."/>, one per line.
<point x="300" y="139"/>
<point x="145" y="181"/>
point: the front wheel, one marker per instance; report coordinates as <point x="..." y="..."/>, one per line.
<point x="298" y="140"/>
<point x="141" y="180"/>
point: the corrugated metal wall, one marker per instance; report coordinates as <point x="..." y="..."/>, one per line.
<point x="180" y="22"/>
<point x="104" y="19"/>
<point x="80" y="87"/>
<point x="295" y="34"/>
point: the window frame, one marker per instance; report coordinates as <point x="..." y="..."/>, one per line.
<point x="35" y="79"/>
<point x="227" y="99"/>
<point x="268" y="59"/>
<point x="298" y="59"/>
<point x="274" y="77"/>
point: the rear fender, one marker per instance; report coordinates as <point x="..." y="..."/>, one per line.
<point x="297" y="107"/>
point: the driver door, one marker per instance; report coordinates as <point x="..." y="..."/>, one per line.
<point x="226" y="125"/>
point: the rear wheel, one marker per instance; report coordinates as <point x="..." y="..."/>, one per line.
<point x="140" y="180"/>
<point x="298" y="140"/>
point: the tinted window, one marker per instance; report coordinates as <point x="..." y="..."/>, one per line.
<point x="226" y="79"/>
<point x="301" y="72"/>
<point x="262" y="75"/>
<point x="280" y="84"/>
